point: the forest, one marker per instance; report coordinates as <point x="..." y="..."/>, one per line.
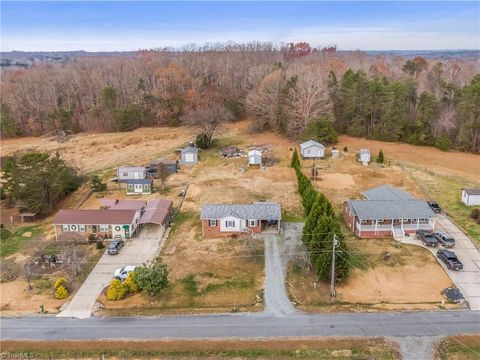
<point x="289" y="89"/>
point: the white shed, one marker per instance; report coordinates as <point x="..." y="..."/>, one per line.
<point x="125" y="173"/>
<point x="189" y="155"/>
<point x="471" y="197"/>
<point x="364" y="156"/>
<point x="312" y="150"/>
<point x="254" y="157"/>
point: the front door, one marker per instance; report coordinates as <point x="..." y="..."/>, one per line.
<point x="138" y="188"/>
<point x="94" y="229"/>
<point x="126" y="228"/>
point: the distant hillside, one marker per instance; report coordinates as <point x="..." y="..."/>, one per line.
<point x="25" y="59"/>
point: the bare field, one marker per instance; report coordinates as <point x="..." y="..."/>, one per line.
<point x="281" y="348"/>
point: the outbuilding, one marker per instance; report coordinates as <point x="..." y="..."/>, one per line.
<point x="471" y="197"/>
<point x="169" y="165"/>
<point x="139" y="186"/>
<point x="189" y="155"/>
<point x="364" y="156"/>
<point x="312" y="150"/>
<point x="125" y="173"/>
<point x="254" y="158"/>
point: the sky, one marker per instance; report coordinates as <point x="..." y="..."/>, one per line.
<point x="133" y="25"/>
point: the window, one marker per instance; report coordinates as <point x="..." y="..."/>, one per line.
<point x="104" y="228"/>
<point x="212" y="222"/>
<point x="145" y="186"/>
<point x="130" y="186"/>
<point x="230" y="223"/>
<point x="81" y="228"/>
<point x="65" y="228"/>
<point x="125" y="173"/>
<point x="252" y="223"/>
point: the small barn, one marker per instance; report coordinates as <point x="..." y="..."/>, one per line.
<point x="471" y="197"/>
<point x="139" y="186"/>
<point x="189" y="155"/>
<point x="312" y="150"/>
<point x="364" y="156"/>
<point x="171" y="166"/>
<point x="125" y="173"/>
<point x="254" y="158"/>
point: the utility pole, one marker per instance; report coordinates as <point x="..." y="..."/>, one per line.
<point x="332" y="279"/>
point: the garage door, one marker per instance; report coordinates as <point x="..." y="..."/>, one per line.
<point x="189" y="157"/>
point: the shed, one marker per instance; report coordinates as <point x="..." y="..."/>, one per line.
<point x="254" y="158"/>
<point x="334" y="153"/>
<point x="364" y="156"/>
<point x="139" y="186"/>
<point x="170" y="165"/>
<point x="471" y="197"/>
<point x="189" y="155"/>
<point x="312" y="150"/>
<point x="130" y="172"/>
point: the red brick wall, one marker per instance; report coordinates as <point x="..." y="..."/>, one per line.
<point x="349" y="219"/>
<point x="211" y="232"/>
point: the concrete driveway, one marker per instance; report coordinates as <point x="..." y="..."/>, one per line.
<point x="468" y="280"/>
<point x="136" y="251"/>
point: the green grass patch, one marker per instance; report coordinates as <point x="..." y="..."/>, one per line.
<point x="462" y="349"/>
<point x="11" y="244"/>
<point x="287" y="217"/>
<point x="181" y="218"/>
<point x="447" y="192"/>
<point x="190" y="285"/>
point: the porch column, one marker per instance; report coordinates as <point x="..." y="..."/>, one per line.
<point x="55" y="227"/>
<point x="418" y="224"/>
<point x="376" y="223"/>
<point x="433" y="225"/>
<point x="360" y="228"/>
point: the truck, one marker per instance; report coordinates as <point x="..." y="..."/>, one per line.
<point x="450" y="259"/>
<point x="427" y="238"/>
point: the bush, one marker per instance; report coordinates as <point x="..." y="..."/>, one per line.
<point x="60" y="282"/>
<point x="9" y="270"/>
<point x="475" y="214"/>
<point x="202" y="141"/>
<point x="152" y="277"/>
<point x="131" y="282"/>
<point x="61" y="292"/>
<point x="96" y="184"/>
<point x="345" y="148"/>
<point x="380" y="158"/>
<point x="443" y="142"/>
<point x="99" y="245"/>
<point x="117" y="290"/>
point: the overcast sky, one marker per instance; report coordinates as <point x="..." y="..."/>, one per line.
<point x="110" y="26"/>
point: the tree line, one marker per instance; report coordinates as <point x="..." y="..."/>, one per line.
<point x="285" y="89"/>
<point x="321" y="225"/>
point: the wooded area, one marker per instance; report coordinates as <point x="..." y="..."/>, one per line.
<point x="388" y="98"/>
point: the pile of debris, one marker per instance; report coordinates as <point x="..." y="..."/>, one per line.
<point x="231" y="152"/>
<point x="264" y="148"/>
<point x="59" y="136"/>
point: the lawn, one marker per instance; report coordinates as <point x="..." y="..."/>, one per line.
<point x="466" y="347"/>
<point x="12" y="242"/>
<point x="447" y="191"/>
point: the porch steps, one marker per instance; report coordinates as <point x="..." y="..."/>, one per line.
<point x="398" y="233"/>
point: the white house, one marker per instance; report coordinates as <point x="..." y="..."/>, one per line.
<point x="189" y="155"/>
<point x="364" y="156"/>
<point x="254" y="158"/>
<point x="471" y="197"/>
<point x="312" y="150"/>
<point x="125" y="173"/>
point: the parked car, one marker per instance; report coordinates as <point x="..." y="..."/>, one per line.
<point x="444" y="239"/>
<point x="115" y="247"/>
<point x="122" y="273"/>
<point x="427" y="238"/>
<point x="434" y="206"/>
<point x="450" y="259"/>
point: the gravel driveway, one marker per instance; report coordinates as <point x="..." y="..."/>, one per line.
<point x="135" y="252"/>
<point x="468" y="280"/>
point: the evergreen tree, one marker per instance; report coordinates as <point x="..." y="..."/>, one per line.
<point x="380" y="159"/>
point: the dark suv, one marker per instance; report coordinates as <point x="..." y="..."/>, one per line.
<point x="427" y="238"/>
<point x="434" y="206"/>
<point x="450" y="259"/>
<point x="444" y="239"/>
<point x="115" y="246"/>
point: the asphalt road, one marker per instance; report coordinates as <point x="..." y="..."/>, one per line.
<point x="406" y="324"/>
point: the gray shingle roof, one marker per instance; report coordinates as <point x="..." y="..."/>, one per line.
<point x="189" y="149"/>
<point x="386" y="192"/>
<point x="472" y="191"/>
<point x="131" y="168"/>
<point x="309" y="143"/>
<point x="138" y="181"/>
<point x="391" y="209"/>
<point x="255" y="211"/>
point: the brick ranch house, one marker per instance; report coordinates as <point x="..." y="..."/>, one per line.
<point x="223" y="220"/>
<point x="387" y="212"/>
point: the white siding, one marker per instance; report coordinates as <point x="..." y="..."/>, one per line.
<point x="313" y="151"/>
<point x="470" y="200"/>
<point x="238" y="224"/>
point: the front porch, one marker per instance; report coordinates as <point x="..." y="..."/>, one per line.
<point x="393" y="227"/>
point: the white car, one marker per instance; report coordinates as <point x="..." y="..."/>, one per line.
<point x="122" y="273"/>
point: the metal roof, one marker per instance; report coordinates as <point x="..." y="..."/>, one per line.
<point x="163" y="161"/>
<point x="472" y="191"/>
<point x="255" y="211"/>
<point x="254" y="152"/>
<point x="189" y="149"/>
<point x="138" y="181"/>
<point x="131" y="168"/>
<point x="156" y="211"/>
<point x="128" y="205"/>
<point x="386" y="192"/>
<point x="309" y="143"/>
<point x="391" y="209"/>
<point x="94" y="217"/>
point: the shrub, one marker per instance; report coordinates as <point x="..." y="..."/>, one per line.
<point x="9" y="270"/>
<point x="380" y="158"/>
<point x="152" y="277"/>
<point x="60" y="282"/>
<point x="475" y="214"/>
<point x="61" y="292"/>
<point x="117" y="290"/>
<point x="443" y="142"/>
<point x="345" y="148"/>
<point x="99" y="245"/>
<point x="131" y="282"/>
<point x="96" y="184"/>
